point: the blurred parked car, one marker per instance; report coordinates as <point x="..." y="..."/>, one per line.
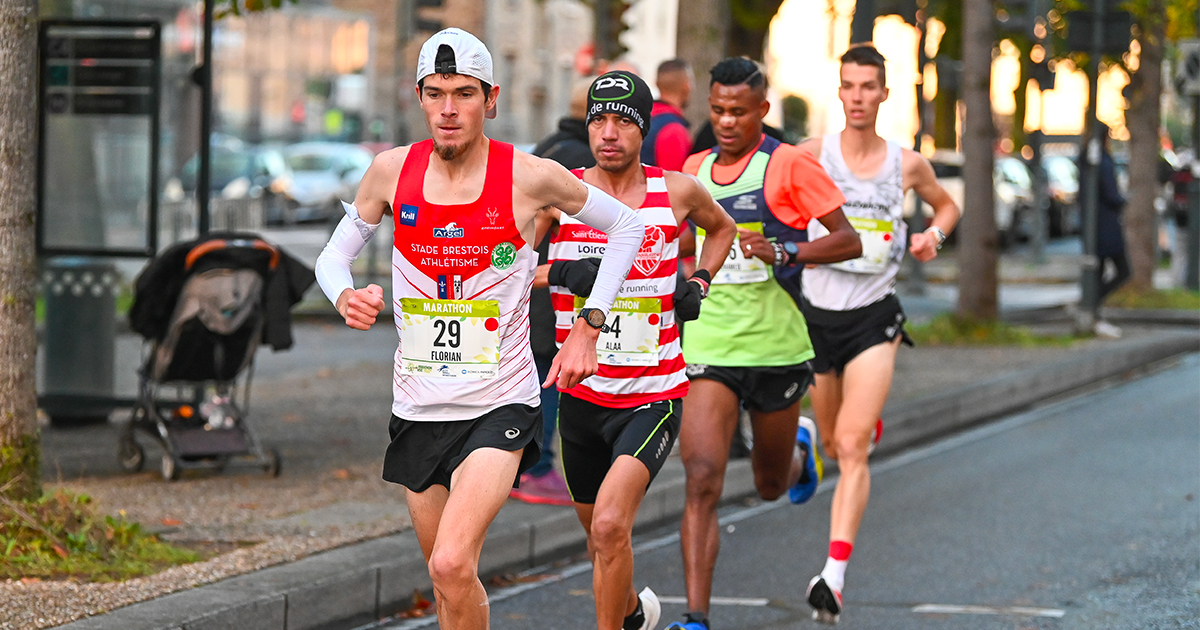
<point x="323" y="174"/>
<point x="240" y="171"/>
<point x="1012" y="192"/>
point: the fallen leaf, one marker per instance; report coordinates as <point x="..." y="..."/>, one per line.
<point x="342" y="474"/>
<point x="171" y="522"/>
<point x="30" y="580"/>
<point x="62" y="553"/>
<point x="324" y="373"/>
<point x="248" y="506"/>
<point x="291" y="417"/>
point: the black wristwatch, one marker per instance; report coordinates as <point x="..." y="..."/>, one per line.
<point x="594" y="318"/>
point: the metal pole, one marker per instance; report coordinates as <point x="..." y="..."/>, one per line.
<point x="1090" y="180"/>
<point x="1192" y="281"/>
<point x="204" y="175"/>
<point x="862" y="26"/>
<point x="1041" y="196"/>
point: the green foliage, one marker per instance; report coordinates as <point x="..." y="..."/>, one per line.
<point x="59" y="536"/>
<point x="1176" y="299"/>
<point x="955" y="330"/>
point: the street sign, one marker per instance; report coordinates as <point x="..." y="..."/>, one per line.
<point x="1188" y="77"/>
<point x="98" y="153"/>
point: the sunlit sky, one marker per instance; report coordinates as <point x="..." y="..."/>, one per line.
<point x="808" y="37"/>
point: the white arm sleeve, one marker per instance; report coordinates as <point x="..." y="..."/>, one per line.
<point x="625" y="231"/>
<point x="333" y="265"/>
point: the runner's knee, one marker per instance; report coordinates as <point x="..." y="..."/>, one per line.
<point x="770" y="486"/>
<point x="451" y="569"/>
<point x="704" y="479"/>
<point x="610" y="532"/>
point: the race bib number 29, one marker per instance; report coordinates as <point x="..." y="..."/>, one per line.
<point x="450" y="338"/>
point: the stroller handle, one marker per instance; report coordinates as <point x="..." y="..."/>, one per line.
<point x="208" y="247"/>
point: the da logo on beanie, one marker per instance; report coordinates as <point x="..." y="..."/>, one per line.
<point x="624" y="94"/>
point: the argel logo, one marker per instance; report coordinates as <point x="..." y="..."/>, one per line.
<point x="408" y="215"/>
<point x="450" y="231"/>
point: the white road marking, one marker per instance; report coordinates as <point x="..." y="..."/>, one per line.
<point x="719" y="601"/>
<point x="954" y="609"/>
<point x="741" y="514"/>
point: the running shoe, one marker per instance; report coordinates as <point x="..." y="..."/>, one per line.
<point x="826" y="602"/>
<point x="650" y="608"/>
<point x="548" y="489"/>
<point x="876" y="433"/>
<point x="806" y="486"/>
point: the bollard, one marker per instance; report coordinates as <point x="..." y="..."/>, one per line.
<point x="77" y="383"/>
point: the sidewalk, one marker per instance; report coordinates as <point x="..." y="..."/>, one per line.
<point x="324" y="406"/>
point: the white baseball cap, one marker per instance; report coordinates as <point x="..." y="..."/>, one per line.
<point x="455" y="51"/>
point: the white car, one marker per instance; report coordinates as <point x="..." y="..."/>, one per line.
<point x="324" y="173"/>
<point x="1012" y="193"/>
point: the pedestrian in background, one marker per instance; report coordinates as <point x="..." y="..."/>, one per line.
<point x="1110" y="239"/>
<point x="669" y="143"/>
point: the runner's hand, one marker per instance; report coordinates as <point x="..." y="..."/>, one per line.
<point x="687" y="301"/>
<point x="756" y="245"/>
<point x="361" y="306"/>
<point x="576" y="359"/>
<point x="576" y="275"/>
<point x="923" y="246"/>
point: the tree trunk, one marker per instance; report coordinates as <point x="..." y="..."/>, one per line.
<point x="749" y="27"/>
<point x="977" y="246"/>
<point x="703" y="34"/>
<point x="19" y="451"/>
<point x="948" y="60"/>
<point x="1141" y="220"/>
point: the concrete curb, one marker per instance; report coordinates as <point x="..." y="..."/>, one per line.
<point x="365" y="581"/>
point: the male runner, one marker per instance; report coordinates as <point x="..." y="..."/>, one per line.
<point x="465" y="418"/>
<point x="617" y="428"/>
<point x="854" y="318"/>
<point x="750" y="343"/>
<point x="669" y="142"/>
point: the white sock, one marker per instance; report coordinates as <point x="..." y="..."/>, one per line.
<point x="835" y="573"/>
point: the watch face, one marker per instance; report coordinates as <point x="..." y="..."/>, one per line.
<point x="595" y="317"/>
<point x="790" y="247"/>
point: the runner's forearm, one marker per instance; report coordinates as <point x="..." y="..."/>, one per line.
<point x="625" y="231"/>
<point x="333" y="265"/>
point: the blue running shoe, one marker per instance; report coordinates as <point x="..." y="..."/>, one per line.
<point x="806" y="486"/>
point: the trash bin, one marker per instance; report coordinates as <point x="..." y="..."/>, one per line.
<point x="77" y="377"/>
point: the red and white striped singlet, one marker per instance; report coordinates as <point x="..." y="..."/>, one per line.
<point x="623" y="382"/>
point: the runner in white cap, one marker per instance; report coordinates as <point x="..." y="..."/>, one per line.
<point x="465" y="418"/>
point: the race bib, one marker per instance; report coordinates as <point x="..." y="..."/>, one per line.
<point x="738" y="269"/>
<point x="450" y="338"/>
<point x="632" y="335"/>
<point x="877" y="242"/>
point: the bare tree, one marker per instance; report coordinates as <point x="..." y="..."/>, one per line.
<point x="978" y="241"/>
<point x="19" y="452"/>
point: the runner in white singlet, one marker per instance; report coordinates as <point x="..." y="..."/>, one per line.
<point x="854" y="319"/>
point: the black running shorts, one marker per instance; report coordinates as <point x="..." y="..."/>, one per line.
<point x="839" y="336"/>
<point x="426" y="453"/>
<point x="764" y="389"/>
<point x="592" y="437"/>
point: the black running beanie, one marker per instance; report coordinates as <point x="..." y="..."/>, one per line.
<point x="624" y="94"/>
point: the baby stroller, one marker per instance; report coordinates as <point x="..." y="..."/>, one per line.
<point x="203" y="307"/>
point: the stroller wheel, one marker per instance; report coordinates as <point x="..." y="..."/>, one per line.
<point x="274" y="462"/>
<point x="170" y="470"/>
<point x="130" y="454"/>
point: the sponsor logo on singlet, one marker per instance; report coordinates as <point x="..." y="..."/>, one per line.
<point x="408" y="215"/>
<point x="650" y="253"/>
<point x="450" y="231"/>
<point x="745" y="202"/>
<point x="504" y="255"/>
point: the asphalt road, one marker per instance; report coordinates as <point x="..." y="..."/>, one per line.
<point x="1085" y="514"/>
